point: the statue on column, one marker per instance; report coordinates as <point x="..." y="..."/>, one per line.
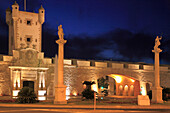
<point x="60" y="32"/>
<point x="157" y="42"/>
<point x="157" y="90"/>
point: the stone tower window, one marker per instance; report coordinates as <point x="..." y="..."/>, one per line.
<point x="35" y="40"/>
<point x="28" y="22"/>
<point x="28" y="39"/>
<point x="42" y="11"/>
<point x="20" y="21"/>
<point x="15" y="7"/>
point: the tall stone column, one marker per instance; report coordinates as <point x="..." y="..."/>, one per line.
<point x="60" y="88"/>
<point x="157" y="90"/>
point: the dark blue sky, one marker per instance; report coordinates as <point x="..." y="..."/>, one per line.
<point x="122" y="30"/>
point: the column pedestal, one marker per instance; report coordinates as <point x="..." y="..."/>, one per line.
<point x="157" y="95"/>
<point x="60" y="94"/>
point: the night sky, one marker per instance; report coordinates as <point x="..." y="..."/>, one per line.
<point x="118" y="30"/>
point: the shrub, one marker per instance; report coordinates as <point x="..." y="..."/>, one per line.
<point x="149" y="93"/>
<point x="165" y="94"/>
<point x="88" y="84"/>
<point x="88" y="94"/>
<point x="105" y="92"/>
<point x="26" y="95"/>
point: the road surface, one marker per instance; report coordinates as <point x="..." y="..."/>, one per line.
<point x="60" y="110"/>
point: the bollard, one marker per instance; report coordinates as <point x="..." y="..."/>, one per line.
<point x="94" y="100"/>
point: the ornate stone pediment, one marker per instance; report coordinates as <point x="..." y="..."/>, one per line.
<point x="27" y="57"/>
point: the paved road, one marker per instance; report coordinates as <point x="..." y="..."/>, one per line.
<point x="57" y="110"/>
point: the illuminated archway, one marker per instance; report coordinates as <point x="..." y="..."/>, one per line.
<point x="125" y="86"/>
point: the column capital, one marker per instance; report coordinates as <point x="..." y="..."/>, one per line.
<point x="15" y="18"/>
<point x="61" y="41"/>
<point x="156" y="50"/>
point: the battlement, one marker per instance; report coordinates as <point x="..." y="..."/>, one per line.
<point x="113" y="64"/>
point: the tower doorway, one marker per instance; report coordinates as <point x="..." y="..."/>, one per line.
<point x="29" y="84"/>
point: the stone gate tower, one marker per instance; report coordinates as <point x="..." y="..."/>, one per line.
<point x="25" y="28"/>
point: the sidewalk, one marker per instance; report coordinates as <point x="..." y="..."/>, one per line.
<point x="104" y="107"/>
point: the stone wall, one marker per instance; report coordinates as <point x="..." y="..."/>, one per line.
<point x="75" y="74"/>
<point x="4" y="79"/>
<point x="165" y="79"/>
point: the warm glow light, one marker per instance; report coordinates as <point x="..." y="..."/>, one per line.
<point x="15" y="92"/>
<point x="118" y="79"/>
<point x="143" y="91"/>
<point x="67" y="91"/>
<point x="14" y="85"/>
<point x="94" y="87"/>
<point x="41" y="92"/>
<point x="41" y="98"/>
<point x="42" y="80"/>
<point x="17" y="79"/>
<point x="84" y="86"/>
<point x="132" y="80"/>
<point x="67" y="97"/>
<point x="143" y="88"/>
<point x="18" y="83"/>
<point x="126" y="88"/>
<point x="75" y="93"/>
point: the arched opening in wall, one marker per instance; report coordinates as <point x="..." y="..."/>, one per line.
<point x="107" y="85"/>
<point x="120" y="90"/>
<point x="148" y="87"/>
<point x="114" y="83"/>
<point x="131" y="90"/>
<point x="122" y="85"/>
<point x="125" y="93"/>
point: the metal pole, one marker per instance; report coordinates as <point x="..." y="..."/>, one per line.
<point x="94" y="100"/>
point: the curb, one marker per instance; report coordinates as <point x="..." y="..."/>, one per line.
<point x="105" y="107"/>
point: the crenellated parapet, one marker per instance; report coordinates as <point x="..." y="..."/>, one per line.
<point x="113" y="64"/>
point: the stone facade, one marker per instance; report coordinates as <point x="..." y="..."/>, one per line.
<point x="26" y="64"/>
<point x="74" y="75"/>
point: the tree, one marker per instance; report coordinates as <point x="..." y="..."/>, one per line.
<point x="102" y="83"/>
<point x="88" y="93"/>
<point x="88" y="84"/>
<point x="26" y="95"/>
